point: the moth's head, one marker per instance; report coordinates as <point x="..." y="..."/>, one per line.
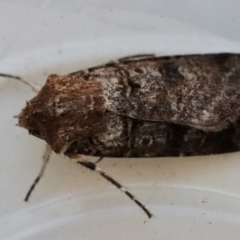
<point x="66" y="110"/>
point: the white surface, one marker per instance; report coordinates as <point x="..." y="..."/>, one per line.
<point x="192" y="198"/>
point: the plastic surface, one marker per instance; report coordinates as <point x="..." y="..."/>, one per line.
<point x="191" y="198"/>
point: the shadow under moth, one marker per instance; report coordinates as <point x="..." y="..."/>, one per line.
<point x="139" y="106"/>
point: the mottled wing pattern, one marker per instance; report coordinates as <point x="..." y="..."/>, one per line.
<point x="194" y="90"/>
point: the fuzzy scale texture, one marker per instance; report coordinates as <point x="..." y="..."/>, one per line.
<point x="141" y="107"/>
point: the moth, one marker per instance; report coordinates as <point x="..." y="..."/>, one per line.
<point x="139" y="106"/>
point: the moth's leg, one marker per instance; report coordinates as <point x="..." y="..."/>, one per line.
<point x="92" y="166"/>
<point x="99" y="160"/>
<point x="136" y="57"/>
<point x="236" y="134"/>
<point x="36" y="88"/>
<point x="46" y="157"/>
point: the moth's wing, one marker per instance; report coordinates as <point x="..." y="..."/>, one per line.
<point x="114" y="62"/>
<point x="192" y="90"/>
<point x="136" y="57"/>
<point x="164" y="139"/>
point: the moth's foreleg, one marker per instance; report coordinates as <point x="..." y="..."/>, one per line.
<point x="46" y="157"/>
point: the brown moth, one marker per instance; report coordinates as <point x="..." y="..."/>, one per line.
<point x="140" y="106"/>
<point x="109" y="110"/>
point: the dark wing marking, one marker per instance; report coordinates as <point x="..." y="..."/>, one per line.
<point x="202" y="91"/>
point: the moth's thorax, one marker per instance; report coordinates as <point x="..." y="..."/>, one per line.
<point x="66" y="109"/>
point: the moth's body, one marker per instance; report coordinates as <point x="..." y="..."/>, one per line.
<point x="141" y="108"/>
<point x="151" y="107"/>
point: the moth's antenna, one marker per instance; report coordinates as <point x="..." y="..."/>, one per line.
<point x="46" y="157"/>
<point x="34" y="87"/>
<point x="92" y="166"/>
